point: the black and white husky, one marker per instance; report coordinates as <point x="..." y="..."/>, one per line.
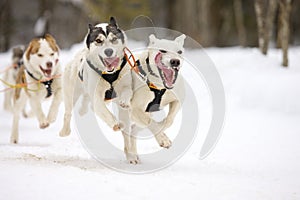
<point x="162" y="86"/>
<point x="103" y="74"/>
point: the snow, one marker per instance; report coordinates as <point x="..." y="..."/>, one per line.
<point x="257" y="157"/>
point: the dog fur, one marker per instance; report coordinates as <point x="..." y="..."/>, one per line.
<point x="41" y="62"/>
<point x="160" y="65"/>
<point x="85" y="75"/>
<point x="10" y="76"/>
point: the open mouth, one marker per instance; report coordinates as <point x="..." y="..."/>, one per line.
<point x="46" y="72"/>
<point x="168" y="74"/>
<point x="110" y="63"/>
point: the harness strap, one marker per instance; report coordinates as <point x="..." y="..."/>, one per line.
<point x="110" y="78"/>
<point x="154" y="105"/>
<point x="149" y="68"/>
<point x="46" y="83"/>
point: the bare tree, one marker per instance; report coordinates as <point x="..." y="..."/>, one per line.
<point x="5" y="24"/>
<point x="265" y="19"/>
<point x="272" y="7"/>
<point x="239" y="20"/>
<point x="203" y="9"/>
<point x="284" y="16"/>
<point x="259" y="5"/>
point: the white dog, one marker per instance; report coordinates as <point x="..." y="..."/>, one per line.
<point x="163" y="86"/>
<point x="41" y="75"/>
<point x="99" y="72"/>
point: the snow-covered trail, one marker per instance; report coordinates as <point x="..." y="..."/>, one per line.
<point x="257" y="157"/>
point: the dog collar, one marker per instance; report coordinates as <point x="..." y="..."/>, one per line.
<point x="110" y="78"/>
<point x="47" y="84"/>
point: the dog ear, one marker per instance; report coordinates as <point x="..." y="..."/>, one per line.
<point x="32" y="48"/>
<point x="91" y="27"/>
<point x="52" y="42"/>
<point x="180" y="39"/>
<point x="113" y="22"/>
<point x="152" y="39"/>
<point x="87" y="41"/>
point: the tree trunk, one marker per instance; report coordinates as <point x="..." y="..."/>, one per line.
<point x="5" y="24"/>
<point x="203" y="8"/>
<point x="285" y="10"/>
<point x="265" y="23"/>
<point x="238" y="12"/>
<point x="259" y="5"/>
<point x="269" y="23"/>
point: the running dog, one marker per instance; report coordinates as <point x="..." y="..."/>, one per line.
<point x="10" y="76"/>
<point x="100" y="73"/>
<point x="40" y="79"/>
<point x="160" y="85"/>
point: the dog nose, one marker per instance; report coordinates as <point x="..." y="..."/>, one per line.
<point x="108" y="52"/>
<point x="49" y="64"/>
<point x="175" y="62"/>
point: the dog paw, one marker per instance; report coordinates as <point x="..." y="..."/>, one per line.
<point x="118" y="127"/>
<point x="64" y="132"/>
<point x="83" y="110"/>
<point x="133" y="159"/>
<point x="44" y="125"/>
<point x="163" y="140"/>
<point x="51" y="118"/>
<point x="124" y="103"/>
<point x="13" y="140"/>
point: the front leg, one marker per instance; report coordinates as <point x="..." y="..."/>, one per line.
<point x="53" y="111"/>
<point x="104" y="113"/>
<point x="173" y="110"/>
<point x="36" y="106"/>
<point x="125" y="97"/>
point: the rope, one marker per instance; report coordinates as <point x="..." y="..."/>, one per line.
<point x="8" y="68"/>
<point x="24" y="85"/>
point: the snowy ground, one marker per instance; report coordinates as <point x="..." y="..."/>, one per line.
<point x="257" y="157"/>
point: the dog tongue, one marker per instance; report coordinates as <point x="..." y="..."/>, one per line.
<point x="47" y="72"/>
<point x="111" y="63"/>
<point x="169" y="75"/>
<point x="168" y="72"/>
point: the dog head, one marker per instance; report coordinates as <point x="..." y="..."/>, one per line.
<point x="167" y="56"/>
<point x="106" y="43"/>
<point x="17" y="54"/>
<point x="42" y="56"/>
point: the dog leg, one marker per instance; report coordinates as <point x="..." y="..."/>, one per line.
<point x="84" y="105"/>
<point x="37" y="109"/>
<point x="125" y="96"/>
<point x="173" y="110"/>
<point x="19" y="105"/>
<point x="70" y="98"/>
<point x="157" y="128"/>
<point x="130" y="149"/>
<point x="53" y="111"/>
<point x="140" y="117"/>
<point x="104" y="113"/>
<point x="8" y="101"/>
<point x="129" y="140"/>
<point x="27" y="114"/>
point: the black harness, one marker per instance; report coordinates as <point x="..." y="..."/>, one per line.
<point x="47" y="84"/>
<point x="110" y="78"/>
<point x="154" y="105"/>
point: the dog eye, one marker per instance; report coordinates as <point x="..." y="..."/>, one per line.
<point x="179" y="52"/>
<point x="40" y="55"/>
<point x="52" y="54"/>
<point x="114" y="39"/>
<point x="99" y="41"/>
<point x="163" y="51"/>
